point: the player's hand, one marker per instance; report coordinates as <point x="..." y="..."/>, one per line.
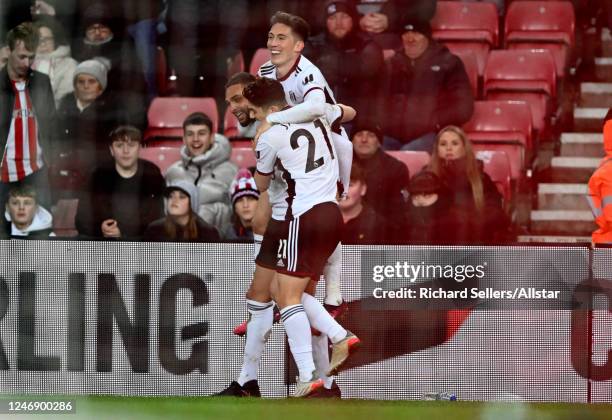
<point x="263" y="127"/>
<point x="374" y="23"/>
<point x="110" y="229"/>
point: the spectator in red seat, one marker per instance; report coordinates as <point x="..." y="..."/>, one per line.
<point x="385" y="176"/>
<point x="84" y="120"/>
<point x="383" y="19"/>
<point x="181" y="223"/>
<point x="53" y="57"/>
<point x="430" y="218"/>
<point x="103" y="38"/>
<point x="244" y="195"/>
<point x="362" y="224"/>
<point x="124" y="197"/>
<point x="24" y="218"/>
<point x="351" y="62"/>
<point x="428" y="88"/>
<point x="205" y="162"/>
<point x="472" y="191"/>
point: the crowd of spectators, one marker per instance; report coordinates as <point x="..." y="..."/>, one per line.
<point x="87" y="69"/>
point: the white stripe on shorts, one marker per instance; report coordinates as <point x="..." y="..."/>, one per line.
<point x="292" y="245"/>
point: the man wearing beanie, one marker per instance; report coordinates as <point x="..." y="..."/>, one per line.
<point x="244" y="195"/>
<point x="350" y="60"/>
<point x="27" y="119"/>
<point x="385" y="176"/>
<point x="428" y="89"/>
<point x="86" y="116"/>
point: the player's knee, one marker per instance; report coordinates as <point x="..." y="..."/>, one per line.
<point x="258" y="295"/>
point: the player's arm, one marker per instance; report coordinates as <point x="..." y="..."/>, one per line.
<point x="266" y="158"/>
<point x="348" y="113"/>
<point x="335" y="115"/>
<point x="312" y="108"/>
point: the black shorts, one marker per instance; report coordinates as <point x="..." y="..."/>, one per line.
<point x="301" y="247"/>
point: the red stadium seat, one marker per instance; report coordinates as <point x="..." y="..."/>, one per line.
<point x="64" y="215"/>
<point x="163" y="157"/>
<point x="497" y="166"/>
<point x="414" y="161"/>
<point x="462" y="49"/>
<point x="243" y="157"/>
<point x="260" y="57"/>
<point x="505" y="126"/>
<point x="230" y="124"/>
<point x="471" y="68"/>
<point x="523" y="75"/>
<point x="542" y="24"/>
<point x="470" y="26"/>
<point x="166" y="115"/>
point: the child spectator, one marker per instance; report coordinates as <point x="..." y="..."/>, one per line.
<point x="24" y="218"/>
<point x="181" y="223"/>
<point x="244" y="195"/>
<point x="362" y="224"/>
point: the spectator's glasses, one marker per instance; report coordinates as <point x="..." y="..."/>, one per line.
<point x="44" y="40"/>
<point x="102" y="29"/>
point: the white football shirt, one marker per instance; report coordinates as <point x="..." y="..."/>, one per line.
<point x="302" y="160"/>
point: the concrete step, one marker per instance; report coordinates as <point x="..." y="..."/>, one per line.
<point x="596" y="95"/>
<point x="582" y="145"/>
<point x="554" y="239"/>
<point x="589" y="119"/>
<point x="562" y="197"/>
<point x="603" y="68"/>
<point x="562" y="222"/>
<point x="572" y="169"/>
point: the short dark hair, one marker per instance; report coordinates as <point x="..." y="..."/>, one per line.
<point x="125" y="133"/>
<point x="298" y="25"/>
<point x="242" y="78"/>
<point x="23" y="32"/>
<point x="198" y="118"/>
<point x="265" y="92"/>
<point x="23" y="190"/>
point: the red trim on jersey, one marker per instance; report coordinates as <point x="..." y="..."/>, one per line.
<point x="264" y="173"/>
<point x="290" y="72"/>
<point x="19" y="139"/>
<point x="311" y="89"/>
<point x="32" y="134"/>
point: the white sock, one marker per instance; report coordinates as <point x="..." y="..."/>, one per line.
<point x="321" y="319"/>
<point x="258" y="239"/>
<point x="331" y="272"/>
<point x="258" y="331"/>
<point x="320" y="354"/>
<point x="297" y="328"/>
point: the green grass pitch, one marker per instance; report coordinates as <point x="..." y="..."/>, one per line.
<point x="184" y="408"/>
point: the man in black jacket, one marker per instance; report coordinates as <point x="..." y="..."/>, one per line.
<point x="27" y="115"/>
<point x="428" y="89"/>
<point x="386" y="177"/>
<point x="351" y="62"/>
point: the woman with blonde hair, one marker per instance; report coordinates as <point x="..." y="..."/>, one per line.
<point x="472" y="191"/>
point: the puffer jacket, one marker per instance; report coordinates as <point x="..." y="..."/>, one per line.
<point x="59" y="66"/>
<point x="600" y="190"/>
<point x="212" y="172"/>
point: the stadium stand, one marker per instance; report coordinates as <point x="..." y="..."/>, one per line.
<point x="166" y="116"/>
<point x="523" y="75"/>
<point x="243" y="157"/>
<point x="260" y="57"/>
<point x="542" y="25"/>
<point x="162" y="156"/>
<point x="467" y="27"/>
<point x="497" y="166"/>
<point x="414" y="161"/>
<point x="471" y="68"/>
<point x="504" y="126"/>
<point x="230" y="124"/>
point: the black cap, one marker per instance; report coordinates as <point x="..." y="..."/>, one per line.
<point x="367" y="125"/>
<point x="416" y="25"/>
<point x="335" y="6"/>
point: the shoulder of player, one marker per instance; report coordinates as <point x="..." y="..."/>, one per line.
<point x="277" y="131"/>
<point x="306" y="66"/>
<point x="267" y="69"/>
